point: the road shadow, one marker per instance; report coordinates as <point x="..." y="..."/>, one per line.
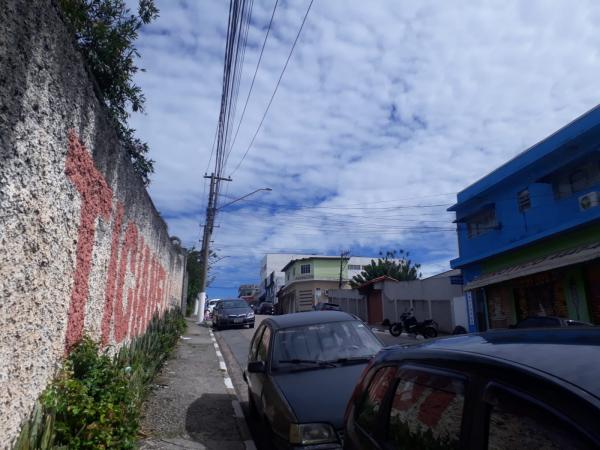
<point x="210" y="421"/>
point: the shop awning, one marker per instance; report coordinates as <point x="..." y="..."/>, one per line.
<point x="556" y="260"/>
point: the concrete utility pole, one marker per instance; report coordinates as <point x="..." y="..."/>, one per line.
<point x="211" y="212"/>
<point x="343" y="255"/>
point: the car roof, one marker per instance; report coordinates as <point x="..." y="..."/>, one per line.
<point x="570" y="354"/>
<point x="308" y="318"/>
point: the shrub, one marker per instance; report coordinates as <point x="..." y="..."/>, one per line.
<point x="95" y="401"/>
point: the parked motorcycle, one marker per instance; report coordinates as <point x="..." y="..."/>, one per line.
<point x="409" y="323"/>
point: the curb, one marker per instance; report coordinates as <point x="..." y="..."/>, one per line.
<point x="235" y="402"/>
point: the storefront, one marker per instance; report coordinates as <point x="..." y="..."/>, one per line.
<point x="564" y="284"/>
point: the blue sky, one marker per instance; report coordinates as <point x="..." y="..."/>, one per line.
<point x="386" y="110"/>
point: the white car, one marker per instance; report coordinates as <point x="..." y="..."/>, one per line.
<point x="211" y="305"/>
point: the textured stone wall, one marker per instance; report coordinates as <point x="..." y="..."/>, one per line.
<point x="82" y="248"/>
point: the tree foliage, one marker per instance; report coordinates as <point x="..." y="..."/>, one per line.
<point x="394" y="264"/>
<point x="105" y="32"/>
<point x="194" y="269"/>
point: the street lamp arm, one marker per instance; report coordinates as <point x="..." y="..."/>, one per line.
<point x="242" y="198"/>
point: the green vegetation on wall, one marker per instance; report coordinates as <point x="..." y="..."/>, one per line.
<point x="95" y="401"/>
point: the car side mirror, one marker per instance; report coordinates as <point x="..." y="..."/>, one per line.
<point x="256" y="367"/>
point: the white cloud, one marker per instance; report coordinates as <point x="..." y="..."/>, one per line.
<point x="382" y="101"/>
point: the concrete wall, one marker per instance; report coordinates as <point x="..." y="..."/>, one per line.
<point x="431" y="298"/>
<point x="82" y="248"/>
<point x="350" y="301"/>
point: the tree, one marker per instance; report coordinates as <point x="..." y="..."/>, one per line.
<point x="105" y="32"/>
<point x="194" y="269"/>
<point x="402" y="270"/>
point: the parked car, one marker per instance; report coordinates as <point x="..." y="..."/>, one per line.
<point x="550" y="322"/>
<point x="326" y="307"/>
<point x="234" y="312"/>
<point x="301" y="370"/>
<point x="506" y="389"/>
<point x="265" y="308"/>
<point x="210" y="305"/>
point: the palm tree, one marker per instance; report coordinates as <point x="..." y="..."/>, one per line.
<point x="386" y="265"/>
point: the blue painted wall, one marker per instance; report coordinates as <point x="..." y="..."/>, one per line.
<point x="548" y="215"/>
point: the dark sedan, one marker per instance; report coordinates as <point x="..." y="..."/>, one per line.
<point x="301" y="370"/>
<point x="232" y="313"/>
<point x="501" y="390"/>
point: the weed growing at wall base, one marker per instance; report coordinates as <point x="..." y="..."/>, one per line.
<point x="94" y="403"/>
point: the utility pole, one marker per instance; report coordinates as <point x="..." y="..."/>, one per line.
<point x="211" y="212"/>
<point x="343" y="255"/>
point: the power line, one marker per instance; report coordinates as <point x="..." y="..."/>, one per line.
<point x="253" y="79"/>
<point x="276" y="88"/>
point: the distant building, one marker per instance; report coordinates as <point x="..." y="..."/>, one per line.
<point x="248" y="292"/>
<point x="529" y="232"/>
<point x="272" y="277"/>
<point x="308" y="281"/>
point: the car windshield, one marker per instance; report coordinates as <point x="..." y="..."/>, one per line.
<point x="230" y="304"/>
<point x="323" y="342"/>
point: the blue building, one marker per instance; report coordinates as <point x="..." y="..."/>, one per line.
<point x="529" y="232"/>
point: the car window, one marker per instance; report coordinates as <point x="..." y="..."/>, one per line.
<point x="517" y="423"/>
<point x="426" y="411"/>
<point x="255" y="341"/>
<point x="230" y="304"/>
<point x="263" y="346"/>
<point x="324" y="342"/>
<point x="368" y="411"/>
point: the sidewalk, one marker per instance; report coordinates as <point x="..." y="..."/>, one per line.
<point x="193" y="404"/>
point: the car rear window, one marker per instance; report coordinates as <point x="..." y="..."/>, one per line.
<point x="517" y="423"/>
<point x="426" y="411"/>
<point x="369" y="409"/>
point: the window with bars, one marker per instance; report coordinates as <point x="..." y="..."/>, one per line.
<point x="305" y="268"/>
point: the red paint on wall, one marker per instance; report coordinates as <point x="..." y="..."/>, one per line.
<point x="111" y="278"/>
<point x="128" y="252"/>
<point x="142" y="295"/>
<point x="96" y="201"/>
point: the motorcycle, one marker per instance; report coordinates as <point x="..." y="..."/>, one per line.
<point x="409" y="323"/>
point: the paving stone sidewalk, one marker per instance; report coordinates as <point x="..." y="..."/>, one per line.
<point x="190" y="406"/>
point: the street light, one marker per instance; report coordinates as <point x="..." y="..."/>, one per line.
<point x="211" y="212"/>
<point x="242" y="198"/>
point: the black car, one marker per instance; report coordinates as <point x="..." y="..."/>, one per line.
<point x="549" y="322"/>
<point x="301" y="370"/>
<point x="509" y="389"/>
<point x="265" y="308"/>
<point x="326" y="307"/>
<point x="229" y="313"/>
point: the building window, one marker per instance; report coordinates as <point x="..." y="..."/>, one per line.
<point x="482" y="222"/>
<point x="569" y="181"/>
<point x="305" y="268"/>
<point x="354" y="267"/>
<point x="524" y="200"/>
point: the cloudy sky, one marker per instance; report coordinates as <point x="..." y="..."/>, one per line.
<point x="387" y="109"/>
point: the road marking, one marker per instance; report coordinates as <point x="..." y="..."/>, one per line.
<point x="219" y="354"/>
<point x="228" y="383"/>
<point x="222" y="366"/>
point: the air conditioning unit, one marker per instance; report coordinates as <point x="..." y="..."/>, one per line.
<point x="589" y="200"/>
